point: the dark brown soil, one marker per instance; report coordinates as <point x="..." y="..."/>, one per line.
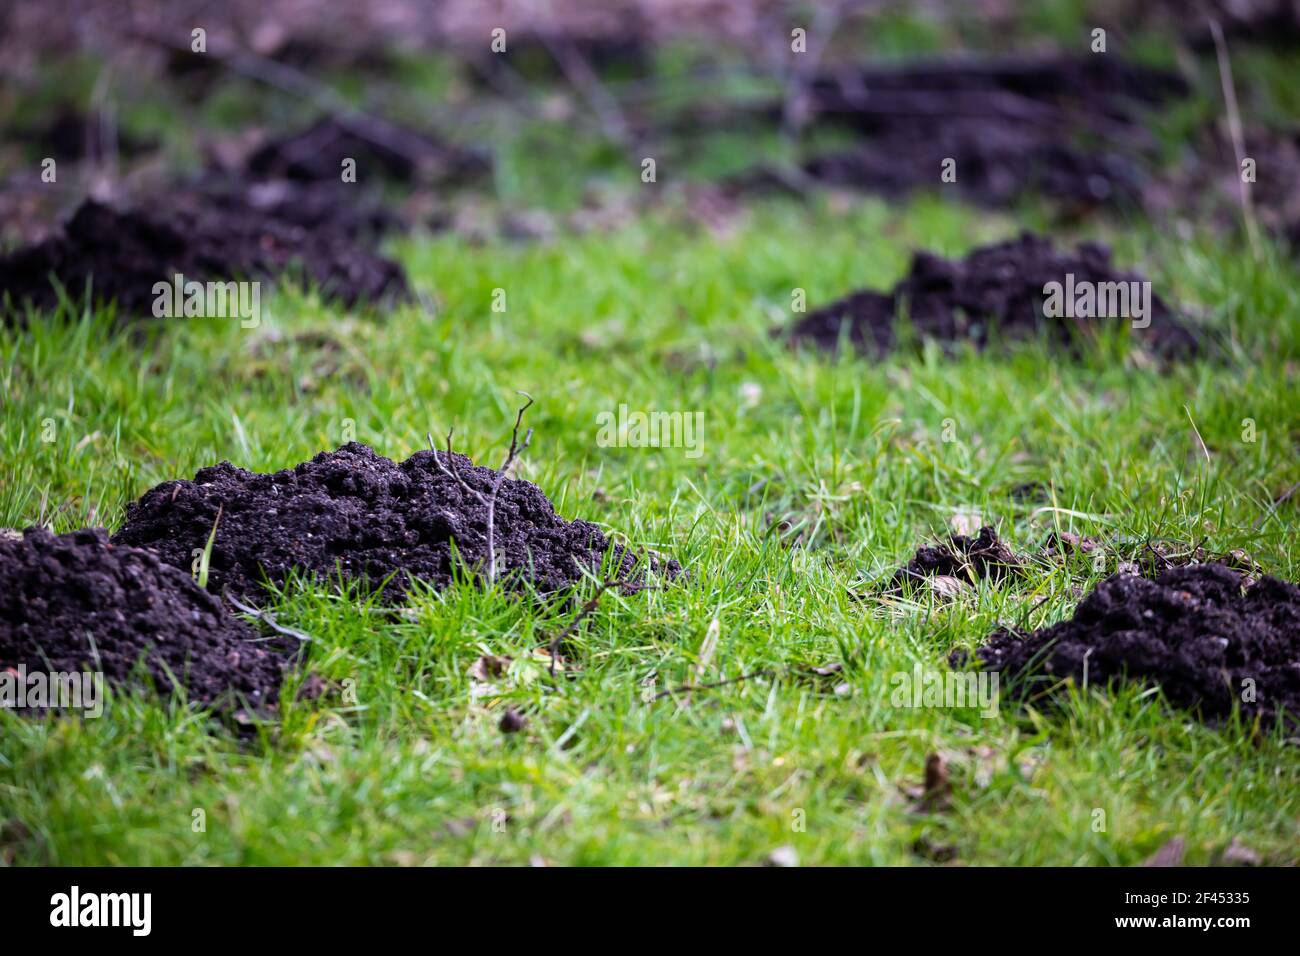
<point x="1067" y="128"/>
<point x="338" y="208"/>
<point x="76" y="603"/>
<point x="124" y="253"/>
<point x="988" y="557"/>
<point x="355" y="512"/>
<point x="1198" y="632"/>
<point x="995" y="165"/>
<point x="962" y="557"/>
<point x="1030" y="89"/>
<point x="995" y="293"/>
<point x="382" y="150"/>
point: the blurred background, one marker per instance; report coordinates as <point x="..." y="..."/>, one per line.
<point x="523" y="119"/>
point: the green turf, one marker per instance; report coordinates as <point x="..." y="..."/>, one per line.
<point x="815" y="476"/>
<point x="664" y="316"/>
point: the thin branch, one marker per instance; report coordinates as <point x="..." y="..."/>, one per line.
<point x="1235" y="131"/>
<point x="451" y="471"/>
<point x="794" y="99"/>
<point x="585" y="80"/>
<point x="553" y="648"/>
<point x="266" y="618"/>
<point x="490" y="501"/>
<point x="1278" y="502"/>
<point x="375" y="130"/>
<point x="515" y="449"/>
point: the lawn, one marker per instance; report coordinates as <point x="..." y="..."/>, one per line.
<point x="742" y="713"/>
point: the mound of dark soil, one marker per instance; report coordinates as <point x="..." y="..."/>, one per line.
<point x="380" y="149"/>
<point x="995" y="292"/>
<point x="986" y="557"/>
<point x="75" y="603"/>
<point x="996" y="164"/>
<point x="355" y="512"/>
<point x="1198" y="632"/>
<point x="123" y="254"/>
<point x="332" y="206"/>
<point x="962" y="557"/>
<point x="1065" y="127"/>
<point x="1040" y="90"/>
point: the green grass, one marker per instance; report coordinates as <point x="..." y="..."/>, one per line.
<point x="816" y="475"/>
<point x="664" y="315"/>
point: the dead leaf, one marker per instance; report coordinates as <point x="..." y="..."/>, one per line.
<point x="946" y="587"/>
<point x="488" y="667"/>
<point x="782" y="856"/>
<point x="1238" y="854"/>
<point x="966" y="523"/>
<point x="512" y="721"/>
<point x="934" y="795"/>
<point x="543" y="656"/>
<point x="1171" y="854"/>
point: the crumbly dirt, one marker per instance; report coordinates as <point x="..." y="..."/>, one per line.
<point x="357" y="513"/>
<point x="994" y="293"/>
<point x="124" y="253"/>
<point x="1066" y="128"/>
<point x="1201" y="633"/>
<point x="336" y="207"/>
<point x="995" y="166"/>
<point x="381" y="150"/>
<point x="968" y="559"/>
<point x="75" y="602"/>
<point x="961" y="559"/>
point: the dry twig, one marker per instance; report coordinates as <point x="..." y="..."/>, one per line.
<point x="553" y="648"/>
<point x="488" y="501"/>
<point x="1235" y="131"/>
<point x="266" y="618"/>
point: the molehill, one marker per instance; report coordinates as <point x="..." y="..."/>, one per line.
<point x="76" y="603"/>
<point x="1205" y="637"/>
<point x="996" y="292"/>
<point x="1071" y="129"/>
<point x="122" y="254"/>
<point x="357" y="513"/>
<point x="966" y="558"/>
